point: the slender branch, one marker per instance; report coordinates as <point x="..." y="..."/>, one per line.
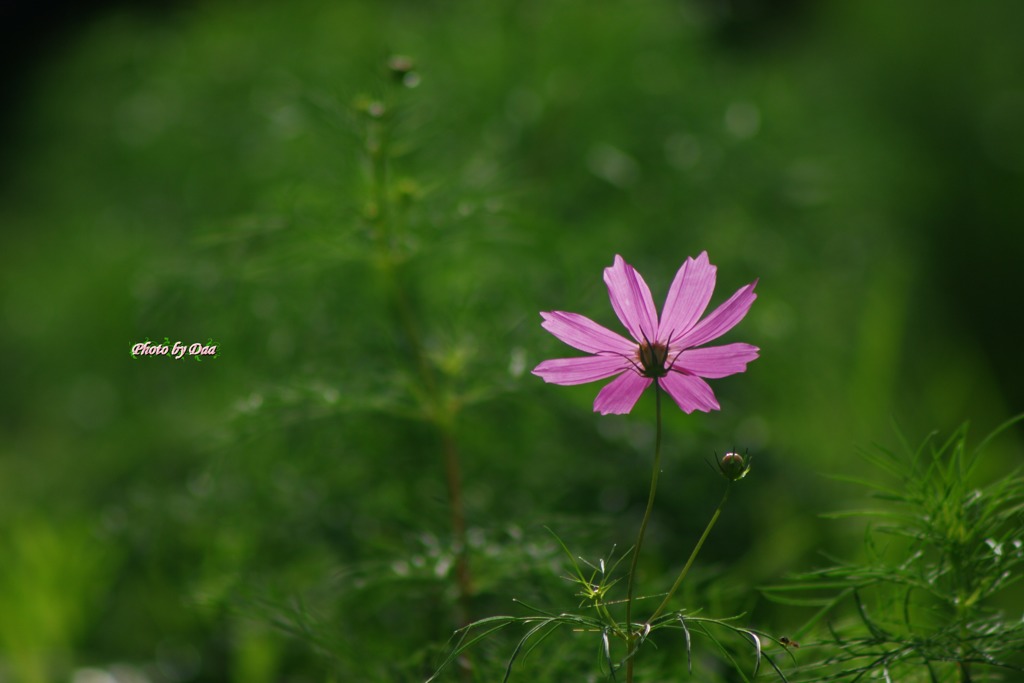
<point x="640" y="537"/>
<point x="693" y="556"/>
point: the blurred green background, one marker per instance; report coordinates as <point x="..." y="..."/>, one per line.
<point x="279" y="513"/>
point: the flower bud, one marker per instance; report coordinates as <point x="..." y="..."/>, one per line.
<point x="403" y="71"/>
<point x="734" y="466"/>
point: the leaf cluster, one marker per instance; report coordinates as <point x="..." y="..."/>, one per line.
<point x="938" y="550"/>
<point x="595" y="581"/>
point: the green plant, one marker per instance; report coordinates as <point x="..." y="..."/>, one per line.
<point x="920" y="605"/>
<point x="668" y="354"/>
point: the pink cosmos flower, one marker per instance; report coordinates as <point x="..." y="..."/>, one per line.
<point x="669" y="351"/>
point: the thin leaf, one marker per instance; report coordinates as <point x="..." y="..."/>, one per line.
<point x="606" y="644"/>
<point x="757" y="648"/>
<point x="996" y="432"/>
<point x="572" y="559"/>
<point x="519" y="647"/>
<point x="686" y="633"/>
<point x="463" y="646"/>
<point x="875" y="630"/>
<point x="532" y="608"/>
<point x="775" y="666"/>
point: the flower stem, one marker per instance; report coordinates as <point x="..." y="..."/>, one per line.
<point x="693" y="556"/>
<point x="630" y="637"/>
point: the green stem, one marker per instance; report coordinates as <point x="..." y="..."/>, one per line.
<point x="693" y="556"/>
<point x="458" y="515"/>
<point x="441" y="412"/>
<point x="630" y="638"/>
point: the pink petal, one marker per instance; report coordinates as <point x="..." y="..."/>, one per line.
<point x="689" y="392"/>
<point x="569" y="371"/>
<point x="716" y="361"/>
<point x="688" y="297"/>
<point x="721" y="320"/>
<point x="621" y="394"/>
<point x="632" y="301"/>
<point x="584" y="334"/>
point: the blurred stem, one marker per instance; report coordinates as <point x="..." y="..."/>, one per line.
<point x="442" y="413"/>
<point x="693" y="556"/>
<point x="377" y="138"/>
<point x="453" y="475"/>
<point x="630" y="637"/>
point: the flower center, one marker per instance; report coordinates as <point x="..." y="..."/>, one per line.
<point x="653" y="357"/>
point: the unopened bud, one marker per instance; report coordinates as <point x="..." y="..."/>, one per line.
<point x="400" y="65"/>
<point x="734" y="466"/>
<point x="403" y="71"/>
